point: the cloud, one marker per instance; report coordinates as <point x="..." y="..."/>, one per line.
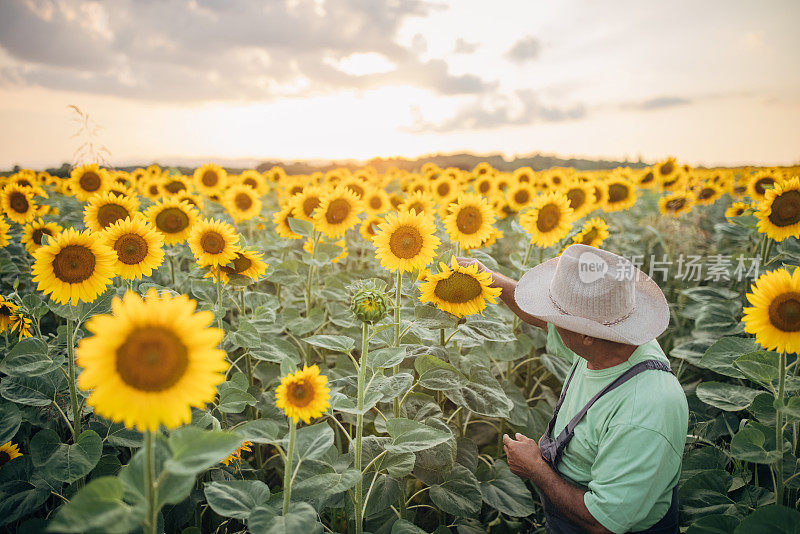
<point x="526" y="49"/>
<point x="464" y="47"/>
<point x="661" y="102"/>
<point x="522" y="110"/>
<point x="192" y="50"/>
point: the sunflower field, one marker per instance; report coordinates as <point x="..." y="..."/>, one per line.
<point x="229" y="352"/>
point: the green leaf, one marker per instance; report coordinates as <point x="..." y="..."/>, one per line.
<point x="313" y="441"/>
<point x="10" y="420"/>
<point x="759" y="366"/>
<point x="432" y="318"/>
<point x="324" y="484"/>
<point x="195" y="450"/>
<point x="29" y="357"/>
<point x="706" y="493"/>
<point x="401" y="526"/>
<point x="385" y="492"/>
<point x="336" y="343"/>
<point x="791" y="409"/>
<point x="482" y="395"/>
<point x="771" y="519"/>
<point x="394" y="386"/>
<point x="259" y="431"/>
<point x="245" y="336"/>
<point x="18" y="499"/>
<point x="66" y="463"/>
<point x="748" y="444"/>
<point x="438" y="375"/>
<point x="483" y="330"/>
<point x="720" y="356"/>
<point x="386" y="357"/>
<point x="33" y="391"/>
<point x="236" y="498"/>
<point x="276" y="350"/>
<point x="100" y="305"/>
<point x="97" y="507"/>
<point x="459" y="494"/>
<point x="301" y="518"/>
<point x="728" y="397"/>
<point x="503" y="490"/>
<point x="300" y="226"/>
<point x="233" y="395"/>
<point x="713" y="524"/>
<point x="412" y="436"/>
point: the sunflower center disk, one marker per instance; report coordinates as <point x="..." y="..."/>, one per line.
<point x="240" y="264"/>
<point x="212" y="243"/>
<point x="172" y="220"/>
<point x="209" y="178"/>
<point x="90" y="182"/>
<point x="74" y="264"/>
<point x="675" y="204"/>
<point x="111" y="213"/>
<point x="521" y="197"/>
<point x="667" y="168"/>
<point x="375" y="203"/>
<point x="250" y="182"/>
<point x="405" y="242"/>
<point x="469" y="220"/>
<point x="786" y="209"/>
<point x="617" y="192"/>
<point x="417" y="207"/>
<point x="443" y="189"/>
<point x="705" y="193"/>
<point x="4" y="458"/>
<point x="762" y="185"/>
<point x="18" y="202"/>
<point x="39" y="234"/>
<point x="589" y="237"/>
<point x="175" y="187"/>
<point x="648" y="178"/>
<point x="152" y="359"/>
<point x="357" y="189"/>
<point x="549" y="217"/>
<point x="131" y="249"/>
<point x="484" y="186"/>
<point x="784" y="312"/>
<point x="458" y="288"/>
<point x="243" y="201"/>
<point x="300" y="394"/>
<point x="309" y="205"/>
<point x="576" y="198"/>
<point x="338" y="210"/>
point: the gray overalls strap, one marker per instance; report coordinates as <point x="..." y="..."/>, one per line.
<point x="553" y="449"/>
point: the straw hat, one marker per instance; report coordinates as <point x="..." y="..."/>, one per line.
<point x="595" y="292"/>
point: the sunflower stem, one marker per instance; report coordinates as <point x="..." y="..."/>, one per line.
<point x="73" y="392"/>
<point x="528" y="249"/>
<point x="362" y="369"/>
<point x="779" y="428"/>
<point x="396" y="368"/>
<point x="150" y="487"/>
<point x="287" y="470"/>
<point x="442" y="341"/>
<point x="218" y="280"/>
<point x="171" y="269"/>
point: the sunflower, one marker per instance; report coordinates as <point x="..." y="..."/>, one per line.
<point x="444" y="189"/>
<point x="210" y="179"/>
<point x="5" y="228"/>
<point x="282" y="228"/>
<point x="469" y="220"/>
<point x="524" y="175"/>
<point x="122" y="191"/>
<point x="736" y="209"/>
<point x="74" y="267"/>
<point x="303" y="394"/>
<point x="593" y="233"/>
<point x="8" y="310"/>
<point x="621" y="194"/>
<point x="493" y="237"/>
<point x="675" y="203"/>
<point x="246" y="263"/>
<point x="194" y="200"/>
<point x="173" y="218"/>
<point x="774" y="316"/>
<point x="666" y="170"/>
<point x="308" y="246"/>
<point x="405" y="241"/>
<point x="8" y="452"/>
<point x="419" y="202"/>
<point x="337" y="212"/>
<point x="647" y="178"/>
<point x="151" y="187"/>
<point x="459" y="290"/>
<point x="519" y="196"/>
<point x="33" y="233"/>
<point x="759" y="183"/>
<point x="22" y="324"/>
<point x="581" y="198"/>
<point x="376" y="201"/>
<point x="17" y="203"/>
<point x="255" y="181"/>
<point x="236" y="457"/>
<point x="242" y="202"/>
<point x="483" y="168"/>
<point x="151" y="361"/>
<point x="213" y="242"/>
<point x="484" y="185"/>
<point x="105" y="209"/>
<point x="88" y="180"/>
<point x="708" y="193"/>
<point x="369" y="226"/>
<point x="549" y="219"/>
<point x="139" y="247"/>
<point x="356" y="185"/>
<point x="779" y="213"/>
<point x="306" y="201"/>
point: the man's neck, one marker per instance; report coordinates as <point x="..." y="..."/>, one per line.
<point x="606" y="359"/>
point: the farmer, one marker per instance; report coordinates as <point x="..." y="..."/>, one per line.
<point x="611" y="456"/>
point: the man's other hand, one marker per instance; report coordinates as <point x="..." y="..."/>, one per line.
<point x="524" y="456"/>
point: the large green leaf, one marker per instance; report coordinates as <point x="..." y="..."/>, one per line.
<point x="720" y="356"/>
<point x="771" y="519"/>
<point x="195" y="450"/>
<point x="97" y="508"/>
<point x="482" y="395"/>
<point x="66" y="463"/>
<point x="714" y="524"/>
<point x="34" y="390"/>
<point x="334" y="343"/>
<point x="10" y="420"/>
<point x="759" y="366"/>
<point x="19" y="498"/>
<point x="385" y="357"/>
<point x="458" y="494"/>
<point x="259" y="431"/>
<point x="313" y="441"/>
<point x="233" y="394"/>
<point x="29" y="357"/>
<point x="276" y="350"/>
<point x="246" y="335"/>
<point x="301" y="518"/>
<point x="728" y="397"/>
<point x="172" y="487"/>
<point x="503" y="490"/>
<point x="401" y="526"/>
<point x="748" y="444"/>
<point x="438" y="375"/>
<point x="236" y="498"/>
<point x="706" y="493"/>
<point x="412" y="436"/>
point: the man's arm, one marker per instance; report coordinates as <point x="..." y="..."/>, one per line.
<point x="525" y="460"/>
<point x="508" y="286"/>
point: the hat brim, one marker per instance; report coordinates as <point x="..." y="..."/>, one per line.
<point x="650" y="316"/>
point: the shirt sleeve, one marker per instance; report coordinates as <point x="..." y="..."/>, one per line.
<point x="555" y="345"/>
<point x="632" y="471"/>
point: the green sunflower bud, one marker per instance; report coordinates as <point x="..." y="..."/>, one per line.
<point x="369" y="302"/>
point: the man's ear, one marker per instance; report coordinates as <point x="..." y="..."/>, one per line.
<point x="587" y="340"/>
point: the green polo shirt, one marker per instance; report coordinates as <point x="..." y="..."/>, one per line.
<point x="627" y="449"/>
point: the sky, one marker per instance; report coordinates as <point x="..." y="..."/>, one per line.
<point x="713" y="82"/>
